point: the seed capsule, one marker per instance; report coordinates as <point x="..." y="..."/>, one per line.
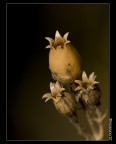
<point x="88" y="89"/>
<point x="64" y="59"/>
<point x="66" y="105"/>
<point x="64" y="101"/>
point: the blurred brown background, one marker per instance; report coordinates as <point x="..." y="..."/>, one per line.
<point x="28" y="75"/>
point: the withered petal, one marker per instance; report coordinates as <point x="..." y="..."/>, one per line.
<point x="51" y="41"/>
<point x="57" y="35"/>
<point x="79" y="82"/>
<point x="50" y="46"/>
<point x="92" y="77"/>
<point x="95" y="82"/>
<point x="65" y="36"/>
<point x="78" y="88"/>
<point x="84" y="77"/>
<point x="48" y="99"/>
<point x="46" y="95"/>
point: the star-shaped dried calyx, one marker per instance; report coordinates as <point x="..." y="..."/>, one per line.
<point x="88" y="89"/>
<point x="64" y="101"/>
<point x="56" y="92"/>
<point x="86" y="83"/>
<point x="59" y="40"/>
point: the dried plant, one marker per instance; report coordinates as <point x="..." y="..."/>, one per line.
<point x="68" y="91"/>
<point x="88" y="89"/>
<point x="64" y="60"/>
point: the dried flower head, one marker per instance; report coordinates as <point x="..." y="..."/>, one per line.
<point x="59" y="40"/>
<point x="88" y="89"/>
<point x="63" y="101"/>
<point x="55" y="94"/>
<point x="64" y="59"/>
<point x="86" y="83"/>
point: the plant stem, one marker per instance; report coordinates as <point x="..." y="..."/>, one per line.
<point x="73" y="120"/>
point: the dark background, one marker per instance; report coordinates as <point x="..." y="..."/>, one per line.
<point x="28" y="75"/>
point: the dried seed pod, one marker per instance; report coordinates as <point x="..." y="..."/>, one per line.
<point x="88" y="89"/>
<point x="94" y="95"/>
<point x="64" y="60"/>
<point x="64" y="101"/>
<point x="66" y="105"/>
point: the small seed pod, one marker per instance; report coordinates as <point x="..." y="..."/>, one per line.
<point x="64" y="101"/>
<point x="91" y="96"/>
<point x="88" y="89"/>
<point x="66" y="105"/>
<point x="64" y="60"/>
<point x="94" y="95"/>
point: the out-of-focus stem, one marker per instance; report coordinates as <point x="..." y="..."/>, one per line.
<point x="98" y="119"/>
<point x="96" y="134"/>
<point x="73" y="120"/>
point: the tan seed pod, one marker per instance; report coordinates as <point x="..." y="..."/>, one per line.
<point x="67" y="104"/>
<point x="88" y="89"/>
<point x="64" y="59"/>
<point x="64" y="101"/>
